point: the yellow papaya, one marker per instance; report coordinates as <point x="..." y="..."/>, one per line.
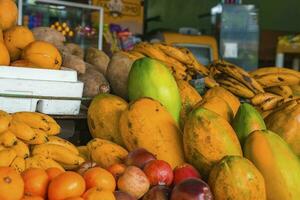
<point x="103" y="117"/>
<point x="207" y="138"/>
<point x="147" y="124"/>
<point x="277" y="163"/>
<point x="235" y="177"/>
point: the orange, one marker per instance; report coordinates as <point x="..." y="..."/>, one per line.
<point x="32" y="198"/>
<point x="100" y="178"/>
<point x="4" y="55"/>
<point x="36" y="182"/>
<point x="95" y="194"/>
<point x="66" y="185"/>
<point x="74" y="198"/>
<point x="53" y="172"/>
<point x="11" y="184"/>
<point x="8" y="14"/>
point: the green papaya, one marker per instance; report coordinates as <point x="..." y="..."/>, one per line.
<point x="151" y="78"/>
<point x="247" y="120"/>
<point x="278" y="164"/>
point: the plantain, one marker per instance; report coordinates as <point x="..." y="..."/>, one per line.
<point x="18" y="164"/>
<point x="270" y="103"/>
<point x="7" y="156"/>
<point x="239" y="74"/>
<point x="62" y="142"/>
<point x="42" y="162"/>
<point x="284" y="91"/>
<point x="21" y="149"/>
<point x="210" y="82"/>
<point x="237" y="89"/>
<point x="41" y="137"/>
<point x="5" y="119"/>
<point x="273" y="70"/>
<point x="7" y="138"/>
<point x="262" y="97"/>
<point x="58" y="153"/>
<point x="136" y="55"/>
<point x="21" y="130"/>
<point x="151" y="51"/>
<point x="69" y="167"/>
<point x="130" y="55"/>
<point x="271" y="80"/>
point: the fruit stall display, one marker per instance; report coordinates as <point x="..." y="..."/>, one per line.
<point x="154" y="137"/>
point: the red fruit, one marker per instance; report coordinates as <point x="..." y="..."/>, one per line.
<point x="139" y="158"/>
<point x="191" y="189"/>
<point x="183" y="172"/>
<point x="116" y="170"/>
<point x="159" y="172"/>
<point x="159" y="192"/>
<point x="123" y="196"/>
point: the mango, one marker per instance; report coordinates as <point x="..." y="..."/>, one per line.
<point x="8" y="14"/>
<point x="151" y="78"/>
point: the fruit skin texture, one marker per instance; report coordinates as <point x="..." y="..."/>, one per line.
<point x="207" y="139"/>
<point x="285" y="122"/>
<point x="147" y="124"/>
<point x="151" y="78"/>
<point x="159" y="192"/>
<point x="183" y="172"/>
<point x="235" y="177"/>
<point x="42" y="55"/>
<point x="232" y="100"/>
<point x="36" y="182"/>
<point x="159" y="172"/>
<point x="277" y="163"/>
<point x="11" y="184"/>
<point x="139" y="158"/>
<point x="117" y="170"/>
<point x="66" y="185"/>
<point x="8" y="14"/>
<point x="104" y="115"/>
<point x="246" y="121"/>
<point x="4" y="56"/>
<point x="134" y="182"/>
<point x="100" y="178"/>
<point x="189" y="98"/>
<point x="32" y="198"/>
<point x="95" y="193"/>
<point x="123" y="196"/>
<point x="53" y="172"/>
<point x="16" y="39"/>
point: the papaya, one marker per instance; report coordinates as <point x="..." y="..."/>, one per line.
<point x="1" y="36"/>
<point x="230" y="98"/>
<point x="16" y="39"/>
<point x="147" y="124"/>
<point x="103" y="117"/>
<point x="277" y="163"/>
<point x="8" y="14"/>
<point x="235" y="177"/>
<point x="22" y="63"/>
<point x="151" y="78"/>
<point x="247" y="120"/>
<point x="42" y="55"/>
<point x="4" y="55"/>
<point x="189" y="98"/>
<point x="285" y="122"/>
<point x="217" y="105"/>
<point x="207" y="138"/>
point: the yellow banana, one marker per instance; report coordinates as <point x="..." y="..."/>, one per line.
<point x="7" y="156"/>
<point x="21" y="149"/>
<point x="262" y="97"/>
<point x="58" y="153"/>
<point x="210" y="82"/>
<point x="273" y="70"/>
<point x="237" y="89"/>
<point x="7" y="138"/>
<point x="266" y="113"/>
<point x="21" y="130"/>
<point x="137" y="55"/>
<point x="270" y="103"/>
<point x="18" y="164"/>
<point x="42" y="162"/>
<point x="130" y="55"/>
<point x="5" y="119"/>
<point x="69" y="167"/>
<point x="62" y="142"/>
<point x="84" y="152"/>
<point x="150" y="51"/>
<point x="270" y="80"/>
<point x="2" y="147"/>
<point x="41" y="137"/>
<point x="284" y="91"/>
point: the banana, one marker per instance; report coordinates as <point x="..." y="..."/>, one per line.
<point x="150" y="51"/>
<point x="266" y="113"/>
<point x="210" y="82"/>
<point x="7" y="138"/>
<point x="5" y="119"/>
<point x="270" y="80"/>
<point x="18" y="164"/>
<point x="262" y="97"/>
<point x="84" y="152"/>
<point x="54" y="127"/>
<point x="62" y="142"/>
<point x="21" y="130"/>
<point x="270" y="103"/>
<point x="136" y="55"/>
<point x="2" y="147"/>
<point x="237" y="89"/>
<point x="273" y="70"/>
<point x="7" y="156"/>
<point x="58" y="153"/>
<point x="130" y="55"/>
<point x="284" y="91"/>
<point x="41" y="137"/>
<point x="239" y="74"/>
<point x="69" y="167"/>
<point x="21" y="149"/>
<point x="40" y="161"/>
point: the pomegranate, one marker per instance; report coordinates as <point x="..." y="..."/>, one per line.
<point x="139" y="157"/>
<point x="159" y="172"/>
<point x="183" y="172"/>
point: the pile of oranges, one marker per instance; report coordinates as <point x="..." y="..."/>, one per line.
<point x="55" y="184"/>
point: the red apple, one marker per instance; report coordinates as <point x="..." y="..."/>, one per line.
<point x="123" y="196"/>
<point x="191" y="189"/>
<point x="159" y="172"/>
<point x="159" y="192"/>
<point x="139" y="157"/>
<point x="117" y="170"/>
<point x="183" y="172"/>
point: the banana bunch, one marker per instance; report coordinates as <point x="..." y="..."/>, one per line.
<point x="275" y="76"/>
<point x="180" y="61"/>
<point x="235" y="79"/>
